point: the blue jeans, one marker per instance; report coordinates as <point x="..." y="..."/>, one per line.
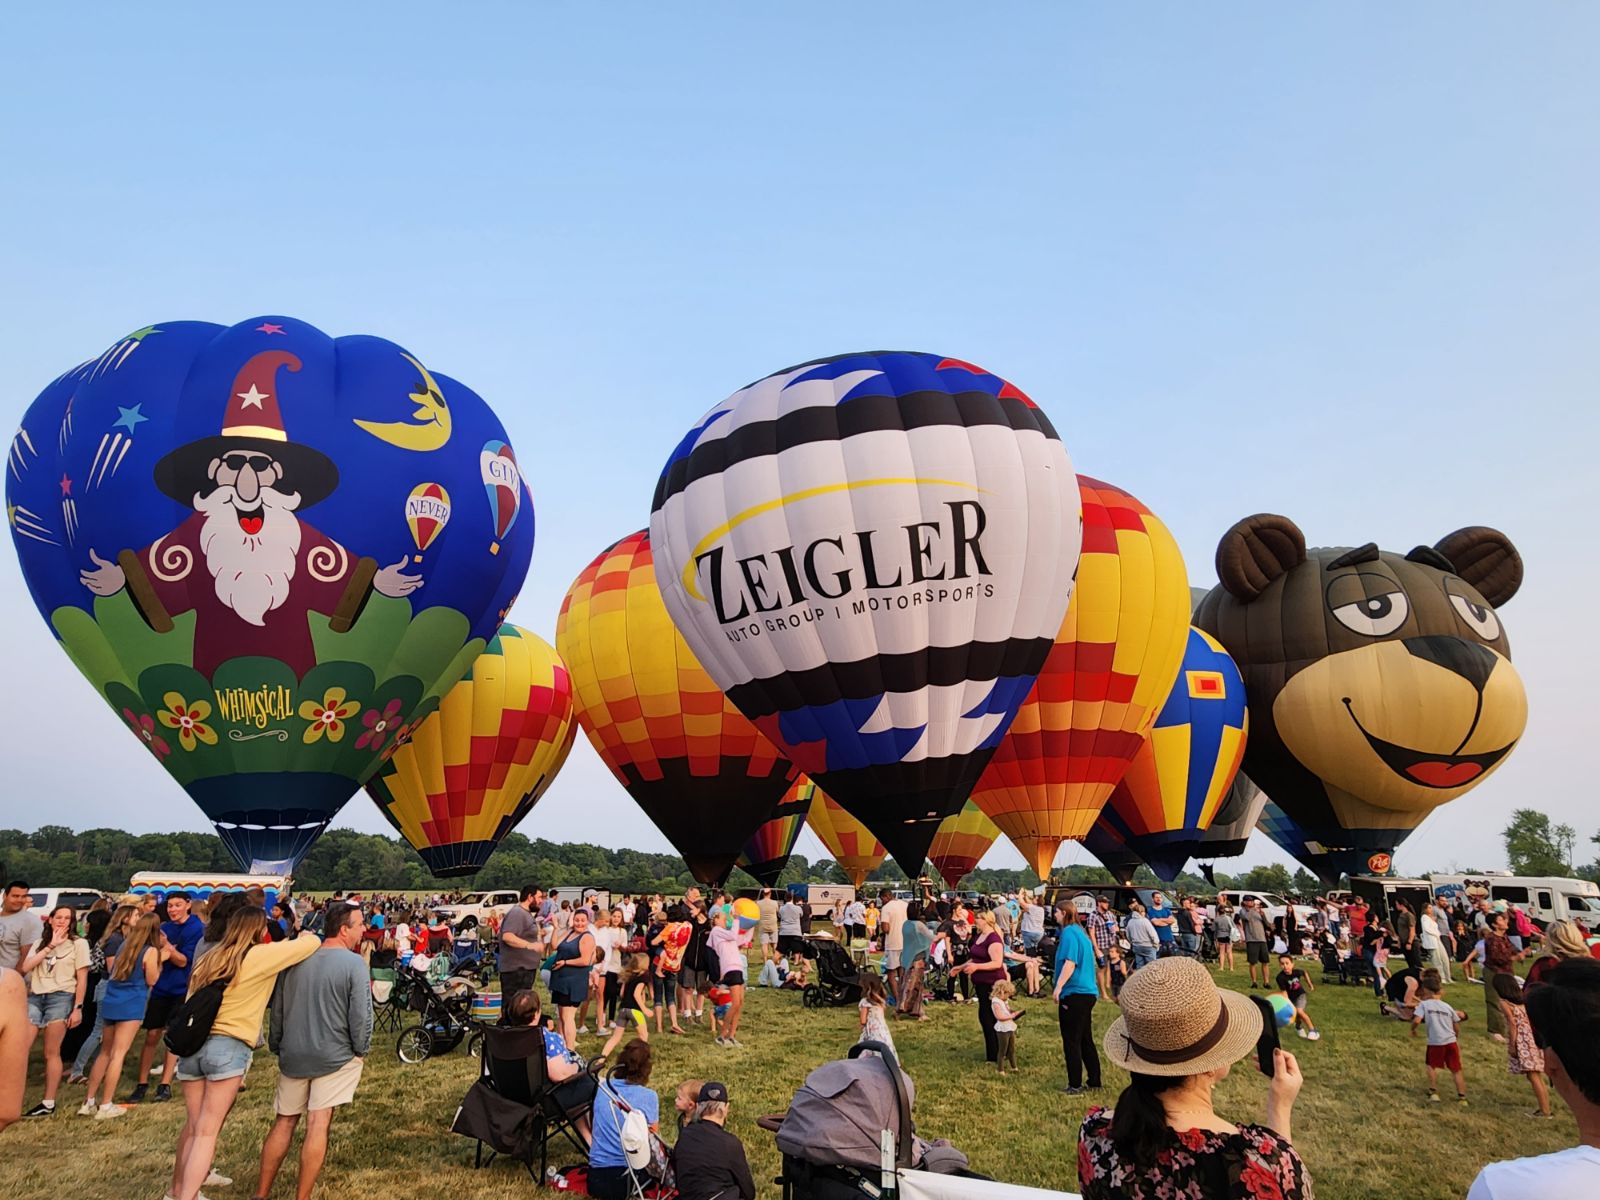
<point x="91" y="1044"/>
<point x="1191" y="942"/>
<point x="1372" y="965"/>
<point x="1143" y="956"/>
<point x="1030" y="941"/>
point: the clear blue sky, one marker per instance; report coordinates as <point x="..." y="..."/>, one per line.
<point x="1340" y="264"/>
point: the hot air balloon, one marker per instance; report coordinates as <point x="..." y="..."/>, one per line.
<point x="871" y="555"/>
<point x="427" y="512"/>
<point x="1176" y="783"/>
<point x="850" y="842"/>
<point x="767" y="851"/>
<point x="1106" y="842"/>
<point x="1380" y="684"/>
<point x="467" y="775"/>
<point x="1230" y="830"/>
<point x="961" y="842"/>
<point x="206" y="517"/>
<point x="1281" y="829"/>
<point x="699" y="769"/>
<point x="1112" y="664"/>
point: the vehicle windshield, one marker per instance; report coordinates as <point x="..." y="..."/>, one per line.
<point x="1589" y="904"/>
<point x="474" y="898"/>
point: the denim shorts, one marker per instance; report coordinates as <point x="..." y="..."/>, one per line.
<point x="52" y="1006"/>
<point x="221" y="1057"/>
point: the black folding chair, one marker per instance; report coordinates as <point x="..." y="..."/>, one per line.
<point x="512" y="1108"/>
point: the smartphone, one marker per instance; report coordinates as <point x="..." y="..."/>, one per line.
<point x="1267" y="1043"/>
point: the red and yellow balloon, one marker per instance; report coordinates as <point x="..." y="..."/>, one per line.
<point x="851" y="843"/>
<point x="961" y="842"/>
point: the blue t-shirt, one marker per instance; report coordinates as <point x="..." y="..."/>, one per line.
<point x="1076" y="946"/>
<point x="378" y="921"/>
<point x="606" y="1121"/>
<point x="1164" y="932"/>
<point x="174" y="980"/>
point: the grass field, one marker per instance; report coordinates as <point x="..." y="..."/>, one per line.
<point x="1363" y="1122"/>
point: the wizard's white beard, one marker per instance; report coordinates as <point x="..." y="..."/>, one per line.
<point x="252" y="571"/>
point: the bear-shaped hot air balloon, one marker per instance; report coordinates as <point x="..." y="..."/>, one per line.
<point x="1380" y="684"/>
<point x="216" y="523"/>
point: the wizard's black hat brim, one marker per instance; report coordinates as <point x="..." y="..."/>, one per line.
<point x="183" y="472"/>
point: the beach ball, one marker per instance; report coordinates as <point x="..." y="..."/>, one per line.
<point x="1282" y="1008"/>
<point x="747" y="912"/>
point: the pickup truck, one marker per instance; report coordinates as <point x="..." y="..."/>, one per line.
<point x="1274" y="904"/>
<point x="474" y="908"/>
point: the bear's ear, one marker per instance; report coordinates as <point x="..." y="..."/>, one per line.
<point x="1486" y="559"/>
<point x="1256" y="551"/>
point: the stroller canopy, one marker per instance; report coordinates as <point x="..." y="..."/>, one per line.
<point x="838" y="1116"/>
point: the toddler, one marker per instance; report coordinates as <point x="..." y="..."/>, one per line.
<point x="1523" y="1053"/>
<point x="1005" y="1024"/>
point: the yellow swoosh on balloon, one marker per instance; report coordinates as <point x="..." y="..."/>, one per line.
<point x="430" y="433"/>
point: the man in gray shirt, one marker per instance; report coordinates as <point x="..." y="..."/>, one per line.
<point x="321" y="1029"/>
<point x="521" y="944"/>
<point x="19" y="928"/>
<point x="1253" y="921"/>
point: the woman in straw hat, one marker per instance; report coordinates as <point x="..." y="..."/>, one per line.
<point x="1562" y="940"/>
<point x="1178" y="1035"/>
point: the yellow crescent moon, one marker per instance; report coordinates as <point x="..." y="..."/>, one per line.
<point x="429" y="427"/>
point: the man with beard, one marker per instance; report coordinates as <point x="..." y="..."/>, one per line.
<point x="268" y="569"/>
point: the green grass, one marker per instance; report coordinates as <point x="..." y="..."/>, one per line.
<point x="1363" y="1122"/>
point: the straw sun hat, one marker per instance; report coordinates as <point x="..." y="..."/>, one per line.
<point x="1176" y="1021"/>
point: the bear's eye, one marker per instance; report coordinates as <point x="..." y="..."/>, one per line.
<point x="1480" y="616"/>
<point x="1375" y="616"/>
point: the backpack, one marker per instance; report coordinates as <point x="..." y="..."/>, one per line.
<point x="190" y="1025"/>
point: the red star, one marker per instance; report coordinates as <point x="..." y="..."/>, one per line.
<point x="269" y="327"/>
<point x="66" y="486"/>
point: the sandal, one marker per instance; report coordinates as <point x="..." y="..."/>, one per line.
<point x="675" y="1029"/>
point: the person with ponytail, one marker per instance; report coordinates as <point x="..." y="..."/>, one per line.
<point x="247" y="963"/>
<point x="1178" y="1036"/>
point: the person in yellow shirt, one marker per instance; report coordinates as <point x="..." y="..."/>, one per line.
<point x="211" y="1077"/>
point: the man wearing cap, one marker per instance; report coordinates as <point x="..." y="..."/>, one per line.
<point x="710" y="1162"/>
<point x="268" y="570"/>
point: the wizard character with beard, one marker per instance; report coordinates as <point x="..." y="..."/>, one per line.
<point x="268" y="569"/>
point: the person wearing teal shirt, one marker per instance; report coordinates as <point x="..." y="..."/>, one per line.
<point x="1075" y="993"/>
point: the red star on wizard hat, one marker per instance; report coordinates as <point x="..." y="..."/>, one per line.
<point x="252" y="420"/>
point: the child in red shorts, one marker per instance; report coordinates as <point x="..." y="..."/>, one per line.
<point x="1443" y="1049"/>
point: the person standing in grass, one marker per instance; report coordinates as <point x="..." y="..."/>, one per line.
<point x="1442" y="1022"/>
<point x="1253" y="923"/>
<point x="874" y="1024"/>
<point x="1143" y="939"/>
<point x="133" y="964"/>
<point x="985" y="966"/>
<point x="1103" y="931"/>
<point x="1076" y="990"/>
<point x="1294" y="983"/>
<point x="1522" y="1051"/>
<point x="183" y="931"/>
<point x="1222" y="923"/>
<point x="635" y="1006"/>
<point x="724" y="944"/>
<point x="57" y="967"/>
<point x="1005" y="1024"/>
<point x="916" y="941"/>
<point x="1499" y="957"/>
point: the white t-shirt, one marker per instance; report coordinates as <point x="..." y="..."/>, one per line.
<point x="611" y="939"/>
<point x="855" y="913"/>
<point x="1439" y="1019"/>
<point x="892" y="919"/>
<point x="998" y="1006"/>
<point x="1566" y="1175"/>
<point x="1032" y="919"/>
<point x="402" y="938"/>
<point x="1430" y="931"/>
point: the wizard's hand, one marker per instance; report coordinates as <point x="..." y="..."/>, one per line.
<point x="392" y="581"/>
<point x="104" y="578"/>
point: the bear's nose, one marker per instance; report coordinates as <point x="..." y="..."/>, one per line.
<point x="1467" y="659"/>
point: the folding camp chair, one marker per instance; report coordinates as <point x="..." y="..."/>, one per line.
<point x="388" y="1005"/>
<point x="512" y="1109"/>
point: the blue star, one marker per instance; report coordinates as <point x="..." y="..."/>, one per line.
<point x="129" y="417"/>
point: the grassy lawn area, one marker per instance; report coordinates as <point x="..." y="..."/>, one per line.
<point x="1363" y="1122"/>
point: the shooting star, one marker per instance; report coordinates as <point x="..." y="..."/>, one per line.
<point x="25" y="523"/>
<point x="17" y="457"/>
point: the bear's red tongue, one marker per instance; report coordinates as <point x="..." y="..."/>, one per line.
<point x="1444" y="774"/>
<point x="251" y="524"/>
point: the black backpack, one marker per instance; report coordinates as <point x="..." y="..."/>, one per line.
<point x="190" y="1025"/>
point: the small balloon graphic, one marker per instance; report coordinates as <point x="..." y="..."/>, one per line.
<point x="503" y="483"/>
<point x="427" y="512"/>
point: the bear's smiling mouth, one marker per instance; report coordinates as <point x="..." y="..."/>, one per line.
<point x="1429" y="770"/>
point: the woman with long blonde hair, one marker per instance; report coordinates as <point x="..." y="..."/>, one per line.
<point x="247" y="964"/>
<point x="134" y="952"/>
<point x="116" y="927"/>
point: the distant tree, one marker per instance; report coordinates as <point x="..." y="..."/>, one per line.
<point x="1273" y="878"/>
<point x="1532" y="846"/>
<point x="1305" y="883"/>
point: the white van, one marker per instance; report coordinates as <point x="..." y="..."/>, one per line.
<point x="1545" y="898"/>
<point x="43" y="901"/>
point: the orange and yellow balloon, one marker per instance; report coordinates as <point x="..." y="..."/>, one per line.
<point x="1113" y="663"/>
<point x="961" y="842"/>
<point x="470" y="771"/>
<point x="851" y="843"/>
<point x="700" y="770"/>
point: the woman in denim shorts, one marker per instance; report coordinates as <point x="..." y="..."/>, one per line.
<point x="58" y="976"/>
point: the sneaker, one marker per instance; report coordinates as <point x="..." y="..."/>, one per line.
<point x="1433" y="1097"/>
<point x="1072" y="1091"/>
<point x="1314" y="1036"/>
<point x="1539" y="1116"/>
<point x="217" y="1179"/>
<point x="87" y="1108"/>
<point x="721" y="1042"/>
<point x="735" y="1042"/>
<point x="41" y="1109"/>
<point x="138" y="1094"/>
<point x="74" y="1079"/>
<point x="583" y="1029"/>
<point x="1461" y="1100"/>
<point x="106" y="1111"/>
<point x="1303" y="1034"/>
<point x="163" y="1093"/>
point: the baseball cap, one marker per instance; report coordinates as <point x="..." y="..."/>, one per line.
<point x="713" y="1091"/>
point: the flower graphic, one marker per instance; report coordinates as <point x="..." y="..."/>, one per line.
<point x="402" y="735"/>
<point x="145" y="727"/>
<point x="377" y="725"/>
<point x="188" y="719"/>
<point x="329" y="716"/>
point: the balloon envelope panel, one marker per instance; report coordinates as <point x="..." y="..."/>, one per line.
<point x="961" y="842"/>
<point x="213" y="520"/>
<point x="701" y="771"/>
<point x="851" y="843"/>
<point x="872" y="554"/>
<point x="1108" y="672"/>
<point x="469" y="773"/>
<point x="767" y="851"/>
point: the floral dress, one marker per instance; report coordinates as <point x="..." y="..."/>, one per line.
<point x="1523" y="1052"/>
<point x="1253" y="1164"/>
<point x="877" y="1027"/>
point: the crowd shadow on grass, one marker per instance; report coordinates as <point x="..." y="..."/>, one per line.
<point x="1363" y="1123"/>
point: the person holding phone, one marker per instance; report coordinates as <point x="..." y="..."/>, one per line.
<point x="1178" y="1036"/>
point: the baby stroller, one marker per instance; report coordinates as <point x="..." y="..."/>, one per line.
<point x="838" y="977"/>
<point x="468" y="961"/>
<point x="445" y="1018"/>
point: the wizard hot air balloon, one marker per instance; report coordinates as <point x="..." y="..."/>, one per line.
<point x="871" y="554"/>
<point x="700" y="770"/>
<point x="209" y="519"/>
<point x="1177" y="782"/>
<point x="851" y="843"/>
<point x="767" y="851"/>
<point x="1113" y="661"/>
<point x="961" y="842"/>
<point x="1380" y="684"/>
<point x="467" y="775"/>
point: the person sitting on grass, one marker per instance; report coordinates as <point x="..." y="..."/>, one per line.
<point x="1294" y="983"/>
<point x="1564" y="1013"/>
<point x="710" y="1162"/>
<point x="1522" y="1052"/>
<point x="1441" y="1021"/>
